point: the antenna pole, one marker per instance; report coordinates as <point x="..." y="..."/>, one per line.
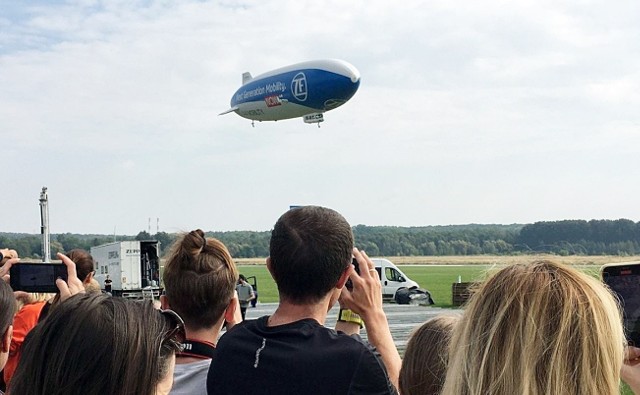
<point x="44" y="225"/>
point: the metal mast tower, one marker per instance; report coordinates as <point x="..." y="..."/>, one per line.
<point x="44" y="225"/>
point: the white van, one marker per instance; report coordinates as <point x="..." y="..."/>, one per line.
<point x="392" y="278"/>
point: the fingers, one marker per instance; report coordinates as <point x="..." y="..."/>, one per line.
<point x="366" y="295"/>
<point x="73" y="285"/>
<point x="365" y="264"/>
<point x="632" y="355"/>
<point x="65" y="292"/>
<point x="24" y="297"/>
<point x="4" y="270"/>
<point x="71" y="266"/>
<point x="346" y="298"/>
<point x="7" y="253"/>
<point x="372" y="267"/>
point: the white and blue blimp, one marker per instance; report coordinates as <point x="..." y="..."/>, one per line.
<point x="306" y="90"/>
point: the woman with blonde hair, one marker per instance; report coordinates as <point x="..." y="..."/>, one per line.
<point x="534" y="329"/>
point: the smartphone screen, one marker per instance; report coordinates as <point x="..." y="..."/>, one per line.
<point x="624" y="280"/>
<point x="37" y="277"/>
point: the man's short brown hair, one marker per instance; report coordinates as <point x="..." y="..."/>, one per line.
<point x="310" y="248"/>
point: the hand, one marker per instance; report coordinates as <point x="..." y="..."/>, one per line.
<point x="73" y="285"/>
<point x="7" y="254"/>
<point x="630" y="371"/>
<point x="24" y="297"/>
<point x="4" y="270"/>
<point x="366" y="300"/>
<point x="366" y="296"/>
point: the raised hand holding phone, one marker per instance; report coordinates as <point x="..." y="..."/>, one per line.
<point x="73" y="285"/>
<point x="624" y="280"/>
<point x="366" y="299"/>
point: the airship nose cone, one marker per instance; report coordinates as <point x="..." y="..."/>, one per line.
<point x="352" y="72"/>
<point x="346" y="69"/>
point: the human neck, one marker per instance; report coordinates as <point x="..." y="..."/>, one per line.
<point x="288" y="312"/>
<point x="208" y="335"/>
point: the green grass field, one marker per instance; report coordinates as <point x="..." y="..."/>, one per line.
<point x="435" y="279"/>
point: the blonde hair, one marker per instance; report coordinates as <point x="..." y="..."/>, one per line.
<point x="24" y="298"/>
<point x="534" y="329"/>
<point x="424" y="365"/>
<point x="92" y="286"/>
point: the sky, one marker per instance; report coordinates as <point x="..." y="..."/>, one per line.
<point x="468" y="112"/>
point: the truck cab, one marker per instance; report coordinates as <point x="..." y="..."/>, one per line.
<point x="392" y="278"/>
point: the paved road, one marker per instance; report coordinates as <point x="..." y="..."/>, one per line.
<point x="402" y="318"/>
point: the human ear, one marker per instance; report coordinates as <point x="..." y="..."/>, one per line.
<point x="344" y="277"/>
<point x="269" y="266"/>
<point x="164" y="302"/>
<point x="232" y="313"/>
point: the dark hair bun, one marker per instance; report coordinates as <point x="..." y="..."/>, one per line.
<point x="194" y="243"/>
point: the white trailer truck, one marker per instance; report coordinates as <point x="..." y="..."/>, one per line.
<point x="132" y="266"/>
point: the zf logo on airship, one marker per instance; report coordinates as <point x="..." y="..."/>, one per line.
<point x="299" y="87"/>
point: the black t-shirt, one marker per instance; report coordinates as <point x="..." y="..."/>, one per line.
<point x="302" y="357"/>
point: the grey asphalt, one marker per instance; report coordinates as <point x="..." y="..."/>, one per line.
<point x="403" y="319"/>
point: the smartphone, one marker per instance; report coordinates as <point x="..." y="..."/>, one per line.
<point x="624" y="281"/>
<point x="37" y="277"/>
<point x="349" y="284"/>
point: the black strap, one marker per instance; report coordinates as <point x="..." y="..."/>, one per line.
<point x="196" y="349"/>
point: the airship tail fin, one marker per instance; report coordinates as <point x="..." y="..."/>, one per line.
<point x="232" y="109"/>
<point x="246" y="77"/>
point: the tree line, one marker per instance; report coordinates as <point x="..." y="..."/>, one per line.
<point x="567" y="237"/>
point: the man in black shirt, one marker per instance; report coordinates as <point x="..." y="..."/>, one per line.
<point x="291" y="351"/>
<point x="107" y="284"/>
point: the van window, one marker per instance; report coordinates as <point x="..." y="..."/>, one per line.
<point x="378" y="270"/>
<point x="392" y="274"/>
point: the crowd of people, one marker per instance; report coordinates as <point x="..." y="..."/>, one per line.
<point x="535" y="328"/>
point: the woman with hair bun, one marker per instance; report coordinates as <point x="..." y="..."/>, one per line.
<point x="199" y="279"/>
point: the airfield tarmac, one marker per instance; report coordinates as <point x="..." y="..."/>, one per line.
<point x="403" y="319"/>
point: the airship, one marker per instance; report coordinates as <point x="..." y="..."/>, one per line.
<point x="307" y="90"/>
